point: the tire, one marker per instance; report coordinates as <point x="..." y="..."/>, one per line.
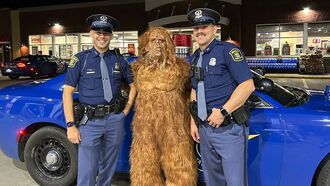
<point x="50" y="158"/>
<point x="323" y="178"/>
<point x="13" y="77"/>
<point x="35" y="76"/>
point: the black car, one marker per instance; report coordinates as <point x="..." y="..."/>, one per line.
<point x="32" y="65"/>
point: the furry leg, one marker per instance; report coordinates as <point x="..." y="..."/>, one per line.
<point x="179" y="164"/>
<point x="145" y="166"/>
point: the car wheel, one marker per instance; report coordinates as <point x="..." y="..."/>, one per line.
<point x="35" y="75"/>
<point x="324" y="176"/>
<point x="13" y="77"/>
<point x="50" y="158"/>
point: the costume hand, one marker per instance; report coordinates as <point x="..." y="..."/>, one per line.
<point x="73" y="135"/>
<point x="194" y="131"/>
<point x="216" y="118"/>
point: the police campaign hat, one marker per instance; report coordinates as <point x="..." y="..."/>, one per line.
<point x="102" y="22"/>
<point x="203" y="16"/>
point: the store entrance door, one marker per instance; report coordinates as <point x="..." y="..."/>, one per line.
<point x="5" y="52"/>
<point x="1" y="54"/>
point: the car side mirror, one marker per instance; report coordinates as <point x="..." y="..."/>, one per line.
<point x="265" y="85"/>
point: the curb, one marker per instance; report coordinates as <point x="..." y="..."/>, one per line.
<point x="297" y="76"/>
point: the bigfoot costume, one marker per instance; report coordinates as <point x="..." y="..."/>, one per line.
<point x="162" y="149"/>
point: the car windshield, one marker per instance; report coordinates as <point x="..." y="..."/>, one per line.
<point x="286" y="96"/>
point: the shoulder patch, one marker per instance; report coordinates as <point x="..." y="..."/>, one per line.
<point x="236" y="54"/>
<point x="73" y="62"/>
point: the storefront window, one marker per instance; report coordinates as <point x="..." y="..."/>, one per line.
<point x="291" y="39"/>
<point x="279" y="39"/>
<point x="288" y="39"/>
<point x="86" y="41"/>
<point x="34" y="44"/>
<point x="319" y="37"/>
<point x="66" y="45"/>
<point x="267" y="40"/>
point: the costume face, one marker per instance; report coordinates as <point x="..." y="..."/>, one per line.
<point x="101" y="40"/>
<point x="204" y="34"/>
<point x="156" y="44"/>
<point x="155" y="47"/>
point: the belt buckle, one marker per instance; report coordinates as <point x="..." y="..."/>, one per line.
<point x="107" y="108"/>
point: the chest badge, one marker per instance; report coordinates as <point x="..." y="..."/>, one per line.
<point x="213" y="61"/>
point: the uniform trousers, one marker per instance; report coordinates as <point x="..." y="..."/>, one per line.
<point x="224" y="154"/>
<point x="101" y="137"/>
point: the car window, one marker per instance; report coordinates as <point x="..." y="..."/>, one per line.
<point x="278" y="93"/>
<point x="42" y="58"/>
<point x="17" y="59"/>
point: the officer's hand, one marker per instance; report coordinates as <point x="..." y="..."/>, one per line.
<point x="73" y="134"/>
<point x="216" y="118"/>
<point x="194" y="131"/>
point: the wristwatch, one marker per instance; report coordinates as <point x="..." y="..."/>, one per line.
<point x="69" y="124"/>
<point x="224" y="112"/>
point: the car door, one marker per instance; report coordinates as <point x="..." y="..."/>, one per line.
<point x="47" y="67"/>
<point x="266" y="142"/>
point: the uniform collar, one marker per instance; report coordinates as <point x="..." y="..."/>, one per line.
<point x="95" y="53"/>
<point x="211" y="45"/>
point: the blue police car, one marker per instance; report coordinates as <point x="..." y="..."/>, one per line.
<point x="289" y="142"/>
<point x="33" y="66"/>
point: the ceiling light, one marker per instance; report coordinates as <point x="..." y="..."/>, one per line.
<point x="306" y="10"/>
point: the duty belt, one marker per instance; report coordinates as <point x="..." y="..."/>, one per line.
<point x="98" y="110"/>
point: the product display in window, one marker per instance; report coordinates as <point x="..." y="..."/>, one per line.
<point x="286" y="49"/>
<point x="268" y="49"/>
<point x="311" y="62"/>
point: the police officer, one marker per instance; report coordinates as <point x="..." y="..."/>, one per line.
<point x="98" y="72"/>
<point x="221" y="82"/>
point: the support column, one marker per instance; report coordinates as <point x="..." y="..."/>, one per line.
<point x="16" y="33"/>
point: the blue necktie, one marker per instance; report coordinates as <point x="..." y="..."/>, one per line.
<point x="105" y="80"/>
<point x="202" y="114"/>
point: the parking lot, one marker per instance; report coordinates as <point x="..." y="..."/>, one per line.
<point x="13" y="173"/>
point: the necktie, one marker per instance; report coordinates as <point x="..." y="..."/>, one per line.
<point x="105" y="80"/>
<point x="202" y="114"/>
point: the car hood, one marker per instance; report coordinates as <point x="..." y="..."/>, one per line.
<point x="317" y="101"/>
<point x="36" y="88"/>
<point x="22" y="86"/>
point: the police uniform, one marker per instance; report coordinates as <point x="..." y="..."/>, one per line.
<point x="98" y="134"/>
<point x="223" y="149"/>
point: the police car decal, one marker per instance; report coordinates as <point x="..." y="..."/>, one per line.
<point x="73" y="62"/>
<point x="236" y="54"/>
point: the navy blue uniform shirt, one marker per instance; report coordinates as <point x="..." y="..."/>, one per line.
<point x="84" y="71"/>
<point x="224" y="68"/>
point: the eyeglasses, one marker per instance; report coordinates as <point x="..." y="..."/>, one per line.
<point x="154" y="40"/>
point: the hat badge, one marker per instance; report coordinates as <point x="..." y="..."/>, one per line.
<point x="103" y="18"/>
<point x="198" y="14"/>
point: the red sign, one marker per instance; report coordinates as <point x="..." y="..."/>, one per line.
<point x="182" y="40"/>
<point x="35" y="39"/>
<point x="131" y="48"/>
<point x="316" y="40"/>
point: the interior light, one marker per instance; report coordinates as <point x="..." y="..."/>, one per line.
<point x="306" y="9"/>
<point x="57" y="24"/>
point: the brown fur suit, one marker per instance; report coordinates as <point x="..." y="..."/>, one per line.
<point x="162" y="150"/>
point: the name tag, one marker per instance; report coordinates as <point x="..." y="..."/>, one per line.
<point x="90" y="71"/>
